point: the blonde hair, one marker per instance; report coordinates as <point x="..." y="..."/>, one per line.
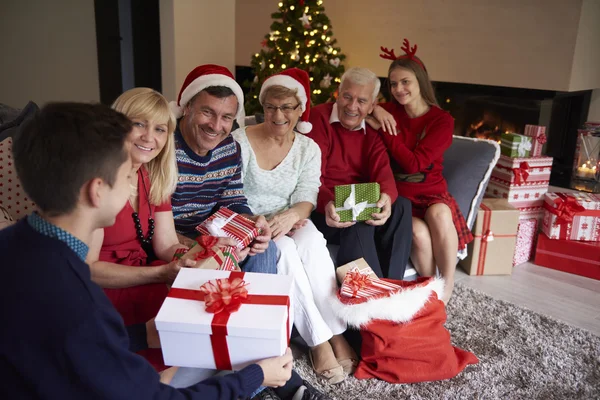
<point x="279" y="92"/>
<point x="362" y="76"/>
<point x="148" y="104"/>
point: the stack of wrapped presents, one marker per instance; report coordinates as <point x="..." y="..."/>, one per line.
<point x="570" y="237"/>
<point x="521" y="176"/>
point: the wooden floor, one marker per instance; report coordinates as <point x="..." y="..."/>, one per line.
<point x="570" y="298"/>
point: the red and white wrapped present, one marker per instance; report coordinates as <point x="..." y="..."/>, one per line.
<point x="538" y="135"/>
<point x="572" y="216"/>
<point x="226" y="223"/>
<point x="224" y="320"/>
<point x="359" y="284"/>
<point x="518" y="171"/>
<point x="521" y="181"/>
<point x="580" y="258"/>
<point x="526" y="237"/>
<point x="209" y="256"/>
<point x="527" y="232"/>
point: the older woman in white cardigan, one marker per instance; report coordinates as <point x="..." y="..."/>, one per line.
<point x="281" y="173"/>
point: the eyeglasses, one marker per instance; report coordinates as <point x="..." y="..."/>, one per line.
<point x="286" y="108"/>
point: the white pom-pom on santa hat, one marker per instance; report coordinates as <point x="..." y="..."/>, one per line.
<point x="293" y="78"/>
<point x="202" y="77"/>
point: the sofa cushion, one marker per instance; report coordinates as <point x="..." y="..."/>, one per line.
<point x="468" y="165"/>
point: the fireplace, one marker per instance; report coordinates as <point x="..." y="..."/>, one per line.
<point x="488" y="111"/>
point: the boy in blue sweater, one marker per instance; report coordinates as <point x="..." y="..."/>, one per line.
<point x="61" y="338"/>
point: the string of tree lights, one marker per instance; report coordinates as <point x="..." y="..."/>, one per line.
<point x="301" y="36"/>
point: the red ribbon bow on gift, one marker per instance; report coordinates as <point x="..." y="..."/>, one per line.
<point x="225" y="294"/>
<point x="356" y="281"/>
<point x="488" y="236"/>
<point x="522" y="173"/>
<point x="541" y="138"/>
<point x="207" y="243"/>
<point x="565" y="209"/>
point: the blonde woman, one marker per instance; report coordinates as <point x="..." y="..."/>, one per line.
<point x="119" y="255"/>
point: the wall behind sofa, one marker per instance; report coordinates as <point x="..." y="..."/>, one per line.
<point x="516" y="43"/>
<point x="48" y="51"/>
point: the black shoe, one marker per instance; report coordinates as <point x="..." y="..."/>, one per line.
<point x="312" y="393"/>
<point x="267" y="394"/>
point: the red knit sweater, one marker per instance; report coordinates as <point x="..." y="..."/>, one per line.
<point x="412" y="152"/>
<point x="348" y="156"/>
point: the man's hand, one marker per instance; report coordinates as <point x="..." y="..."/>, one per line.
<point x="385" y="203"/>
<point x="281" y="224"/>
<point x="168" y="272"/>
<point x="261" y="242"/>
<point x="242" y="254"/>
<point x="332" y="218"/>
<point x="385" y="119"/>
<point x="277" y="370"/>
<point x="152" y="337"/>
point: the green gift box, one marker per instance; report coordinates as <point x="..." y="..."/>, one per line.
<point x="357" y="202"/>
<point x="515" y="145"/>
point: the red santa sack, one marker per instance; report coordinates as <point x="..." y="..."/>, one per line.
<point x="403" y="335"/>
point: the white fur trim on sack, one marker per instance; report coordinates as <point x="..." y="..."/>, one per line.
<point x="400" y="307"/>
<point x="201" y="83"/>
<point x="288" y="82"/>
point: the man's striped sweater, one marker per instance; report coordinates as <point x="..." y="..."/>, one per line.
<point x="207" y="183"/>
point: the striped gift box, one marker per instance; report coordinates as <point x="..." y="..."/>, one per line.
<point x="230" y="259"/>
<point x="538" y="135"/>
<point x="358" y="285"/>
<point x="235" y="226"/>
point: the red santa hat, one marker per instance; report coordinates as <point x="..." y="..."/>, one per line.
<point x="293" y="78"/>
<point x="204" y="76"/>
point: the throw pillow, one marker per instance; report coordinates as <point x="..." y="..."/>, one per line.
<point x="12" y="196"/>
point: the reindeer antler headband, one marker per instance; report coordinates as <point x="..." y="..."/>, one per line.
<point x="409" y="53"/>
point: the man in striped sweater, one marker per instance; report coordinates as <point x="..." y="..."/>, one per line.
<point x="210" y="161"/>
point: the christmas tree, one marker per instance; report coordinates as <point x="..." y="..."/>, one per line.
<point x="301" y="36"/>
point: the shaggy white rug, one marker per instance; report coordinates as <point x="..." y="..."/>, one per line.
<point x="522" y="355"/>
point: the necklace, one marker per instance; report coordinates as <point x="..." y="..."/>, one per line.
<point x="145" y="241"/>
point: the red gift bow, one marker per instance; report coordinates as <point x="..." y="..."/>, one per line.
<point x="207" y="243"/>
<point x="521" y="173"/>
<point x="566" y="209"/>
<point x="541" y="138"/>
<point x="224" y="294"/>
<point x="356" y="281"/>
<point x="488" y="236"/>
<point x="219" y="322"/>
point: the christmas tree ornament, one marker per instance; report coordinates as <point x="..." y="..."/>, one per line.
<point x="305" y="20"/>
<point x="335" y="62"/>
<point x="326" y="81"/>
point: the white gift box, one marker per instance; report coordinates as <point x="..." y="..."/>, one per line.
<point x="254" y="332"/>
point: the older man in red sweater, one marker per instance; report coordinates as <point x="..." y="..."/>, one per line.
<point x="352" y="152"/>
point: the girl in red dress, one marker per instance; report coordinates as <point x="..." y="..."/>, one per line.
<point x="417" y="133"/>
<point x="118" y="255"/>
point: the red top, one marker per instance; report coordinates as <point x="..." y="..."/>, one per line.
<point x="348" y="156"/>
<point x="419" y="148"/>
<point x="121" y="245"/>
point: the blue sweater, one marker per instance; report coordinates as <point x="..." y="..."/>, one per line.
<point x="62" y="339"/>
<point x="207" y="183"/>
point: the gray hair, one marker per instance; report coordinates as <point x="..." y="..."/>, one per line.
<point x="362" y="76"/>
